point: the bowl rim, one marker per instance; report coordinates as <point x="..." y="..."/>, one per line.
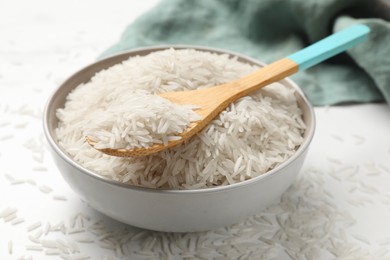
<point x="148" y="49"/>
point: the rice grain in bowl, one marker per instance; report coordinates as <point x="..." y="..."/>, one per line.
<point x="239" y="164"/>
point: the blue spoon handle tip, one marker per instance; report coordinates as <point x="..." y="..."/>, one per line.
<point x="330" y="46"/>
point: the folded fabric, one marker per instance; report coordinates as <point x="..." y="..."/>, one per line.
<point x="268" y="30"/>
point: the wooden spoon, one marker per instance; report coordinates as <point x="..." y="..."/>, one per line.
<point x="212" y="101"/>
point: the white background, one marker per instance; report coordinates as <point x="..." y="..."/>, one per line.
<point x="43" y="42"/>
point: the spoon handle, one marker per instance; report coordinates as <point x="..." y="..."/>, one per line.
<point x="330" y="46"/>
<point x="300" y="60"/>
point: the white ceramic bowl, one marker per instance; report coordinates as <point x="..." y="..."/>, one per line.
<point x="173" y="210"/>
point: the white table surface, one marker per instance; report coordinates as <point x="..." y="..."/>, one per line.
<point x="338" y="207"/>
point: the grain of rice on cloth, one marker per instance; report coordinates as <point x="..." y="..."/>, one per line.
<point x="249" y="138"/>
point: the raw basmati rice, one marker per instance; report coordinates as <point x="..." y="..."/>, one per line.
<point x="249" y="138"/>
<point x="34" y="226"/>
<point x="45" y="189"/>
<point x="148" y="119"/>
<point x="10" y="247"/>
<point x="17" y="221"/>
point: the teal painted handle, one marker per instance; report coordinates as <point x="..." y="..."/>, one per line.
<point x="330" y="46"/>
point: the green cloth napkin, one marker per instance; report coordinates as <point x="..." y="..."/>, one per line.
<point x="271" y="29"/>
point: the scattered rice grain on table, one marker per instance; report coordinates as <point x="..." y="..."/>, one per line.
<point x="10" y="247"/>
<point x="252" y="136"/>
<point x="34" y="226"/>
